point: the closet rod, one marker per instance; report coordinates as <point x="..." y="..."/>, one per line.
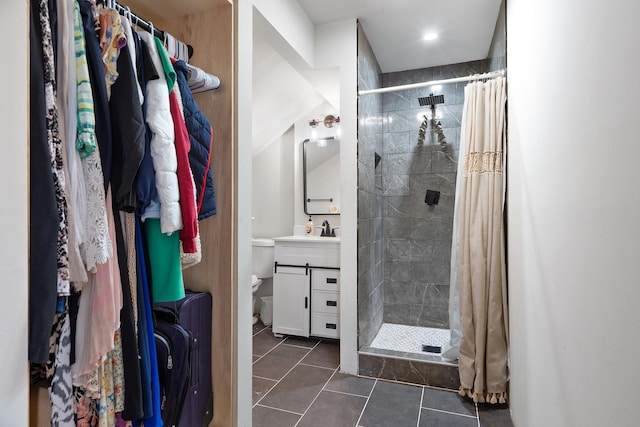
<point x="145" y="25"/>
<point x="489" y="75"/>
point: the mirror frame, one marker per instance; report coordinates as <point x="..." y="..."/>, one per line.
<point x="304" y="176"/>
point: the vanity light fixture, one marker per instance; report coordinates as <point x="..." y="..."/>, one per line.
<point x="329" y="121"/>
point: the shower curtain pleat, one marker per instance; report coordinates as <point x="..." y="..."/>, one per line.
<point x="478" y="261"/>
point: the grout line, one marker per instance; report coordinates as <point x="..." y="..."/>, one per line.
<point x="278" y="409"/>
<point x="297" y="346"/>
<point x="397" y="382"/>
<point x="270" y="350"/>
<point x="420" y="408"/>
<point x="317" y="395"/>
<point x="448" y="412"/>
<point x="450" y="390"/>
<point x="345" y="393"/>
<point x="292" y="368"/>
<point x="366" y="403"/>
<point x="265" y="393"/>
<point x="266" y="327"/>
<point x="264" y="378"/>
<point x="316" y="366"/>
<point x="477" y="413"/>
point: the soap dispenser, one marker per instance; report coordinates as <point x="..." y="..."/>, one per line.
<point x="308" y="230"/>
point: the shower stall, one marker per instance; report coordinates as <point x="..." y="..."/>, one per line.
<point x="408" y="145"/>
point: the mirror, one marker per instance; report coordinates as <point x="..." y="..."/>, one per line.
<point x="321" y="173"/>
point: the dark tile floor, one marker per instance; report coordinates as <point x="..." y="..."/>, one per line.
<point x="297" y="382"/>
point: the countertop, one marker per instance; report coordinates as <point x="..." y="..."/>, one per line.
<point x="310" y="239"/>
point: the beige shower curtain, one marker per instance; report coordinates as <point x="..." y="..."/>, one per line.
<point x="483" y="353"/>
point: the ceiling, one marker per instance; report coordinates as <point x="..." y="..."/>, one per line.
<point x="286" y="92"/>
<point x="395" y="28"/>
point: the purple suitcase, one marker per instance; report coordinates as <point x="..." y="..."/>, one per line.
<point x="194" y="314"/>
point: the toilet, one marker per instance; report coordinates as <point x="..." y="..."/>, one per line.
<point x="262" y="266"/>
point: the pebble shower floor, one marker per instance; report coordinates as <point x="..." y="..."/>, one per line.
<point x="409" y="339"/>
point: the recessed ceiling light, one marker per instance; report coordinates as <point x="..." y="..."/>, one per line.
<point x="430" y="36"/>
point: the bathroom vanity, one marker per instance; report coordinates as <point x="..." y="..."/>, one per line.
<point x="306" y="286"/>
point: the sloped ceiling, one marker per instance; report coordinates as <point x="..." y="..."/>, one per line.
<point x="281" y="95"/>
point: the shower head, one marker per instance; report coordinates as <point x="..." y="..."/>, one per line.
<point x="431" y="100"/>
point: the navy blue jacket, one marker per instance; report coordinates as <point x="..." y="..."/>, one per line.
<point x="201" y="138"/>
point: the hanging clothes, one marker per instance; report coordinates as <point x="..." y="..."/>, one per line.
<point x="154" y="418"/>
<point x="164" y="255"/>
<point x="190" y="247"/>
<point x="201" y="137"/>
<point x="112" y="40"/>
<point x="60" y="388"/>
<point x="146" y="178"/>
<point x="66" y="103"/>
<point x="101" y="301"/>
<point x="163" y="150"/>
<point x="134" y="54"/>
<point x="130" y="353"/>
<point x="128" y="134"/>
<point x="185" y="179"/>
<point x="43" y="215"/>
<point x="55" y="150"/>
<point x="97" y="246"/>
<point x="99" y="90"/>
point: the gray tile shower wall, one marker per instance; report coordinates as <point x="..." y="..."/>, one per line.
<point x="417" y="237"/>
<point x="497" y="51"/>
<point x="370" y="196"/>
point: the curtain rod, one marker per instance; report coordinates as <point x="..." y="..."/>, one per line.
<point x="489" y="75"/>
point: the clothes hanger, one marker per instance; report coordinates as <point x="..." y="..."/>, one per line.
<point x="127" y="14"/>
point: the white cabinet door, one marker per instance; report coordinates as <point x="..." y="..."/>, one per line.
<point x="291" y="302"/>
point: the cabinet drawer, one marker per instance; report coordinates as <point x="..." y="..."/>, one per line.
<point x="326" y="280"/>
<point x="315" y="254"/>
<point x="325" y="325"/>
<point x="325" y="302"/>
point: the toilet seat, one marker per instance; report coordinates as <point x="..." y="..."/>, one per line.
<point x="255" y="282"/>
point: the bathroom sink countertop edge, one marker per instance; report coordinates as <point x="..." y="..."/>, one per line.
<point x="309" y="239"/>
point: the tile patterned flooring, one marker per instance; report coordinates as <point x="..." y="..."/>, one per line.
<point x="297" y="382"/>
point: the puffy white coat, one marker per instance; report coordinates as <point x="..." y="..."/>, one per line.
<point x="163" y="151"/>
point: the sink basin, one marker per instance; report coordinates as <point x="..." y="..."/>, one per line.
<point x="310" y="239"/>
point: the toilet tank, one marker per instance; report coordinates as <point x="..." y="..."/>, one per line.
<point x="262" y="257"/>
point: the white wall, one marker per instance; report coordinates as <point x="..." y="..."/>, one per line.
<point x="14" y="370"/>
<point x="574" y="212"/>
<point x="244" y="32"/>
<point x="337" y="45"/>
<point x="273" y="175"/>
